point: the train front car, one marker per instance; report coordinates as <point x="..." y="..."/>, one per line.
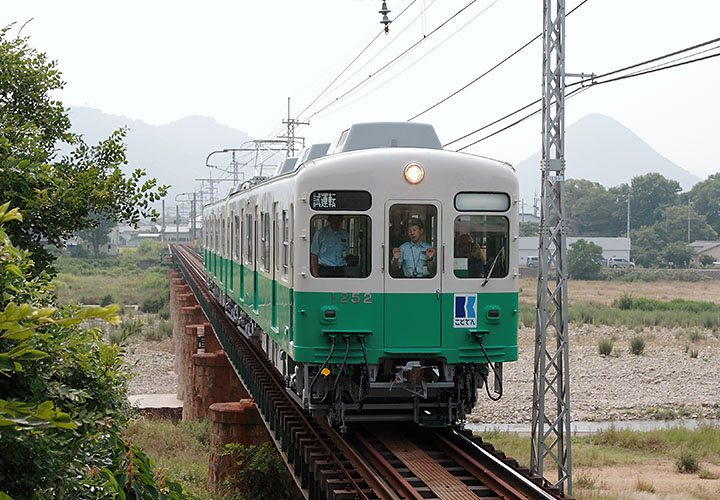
<point x="406" y="289"/>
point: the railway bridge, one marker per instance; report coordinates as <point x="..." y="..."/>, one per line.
<point x="225" y="375"/>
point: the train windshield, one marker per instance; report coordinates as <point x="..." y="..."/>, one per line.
<point x="413" y="240"/>
<point x="481" y="246"/>
<point x="340" y="246"/>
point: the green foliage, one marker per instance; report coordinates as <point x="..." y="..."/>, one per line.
<point x="106" y="300"/>
<point x="64" y="395"/>
<point x="153" y="304"/>
<point x="637" y="318"/>
<point x="705" y="196"/>
<point x="57" y="196"/>
<point x="706" y="260"/>
<point x="651" y="194"/>
<point x="592" y="210"/>
<point x="529" y="229"/>
<point x="627" y="302"/>
<point x="584" y="260"/>
<point x="687" y="462"/>
<point x="678" y="253"/>
<point x="637" y="345"/>
<point x="262" y="475"/>
<point x="605" y="347"/>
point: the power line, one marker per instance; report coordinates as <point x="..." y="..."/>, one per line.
<point x="593" y="82"/>
<point x="394" y="60"/>
<point x="506" y="59"/>
<point x="381" y="32"/>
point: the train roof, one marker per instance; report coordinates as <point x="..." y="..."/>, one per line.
<point x="387" y="135"/>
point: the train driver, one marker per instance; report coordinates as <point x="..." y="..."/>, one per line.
<point x="328" y="249"/>
<point x="416" y="258"/>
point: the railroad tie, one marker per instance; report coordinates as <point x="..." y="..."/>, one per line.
<point x="435" y="476"/>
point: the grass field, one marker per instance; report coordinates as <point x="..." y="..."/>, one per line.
<point x="631" y="465"/>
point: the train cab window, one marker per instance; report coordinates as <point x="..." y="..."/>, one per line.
<point x="340" y="246"/>
<point x="413" y="241"/>
<point x="481" y="246"/>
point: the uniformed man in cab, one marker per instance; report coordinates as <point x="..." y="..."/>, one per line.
<point x="328" y="249"/>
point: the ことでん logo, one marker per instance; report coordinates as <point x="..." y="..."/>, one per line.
<point x="465" y="311"/>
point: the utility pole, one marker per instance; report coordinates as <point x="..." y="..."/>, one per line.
<point x="551" y="381"/>
<point x="194" y="217"/>
<point x="628" y="215"/>
<point x="291" y="124"/>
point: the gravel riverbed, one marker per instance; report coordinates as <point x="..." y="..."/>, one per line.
<point x="675" y="377"/>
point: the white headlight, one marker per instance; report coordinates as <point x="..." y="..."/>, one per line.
<point x="414" y="173"/>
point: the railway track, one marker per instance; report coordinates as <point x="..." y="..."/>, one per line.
<point x="371" y="461"/>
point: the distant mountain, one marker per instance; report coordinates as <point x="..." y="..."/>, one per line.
<point x="602" y="150"/>
<point x="174" y="153"/>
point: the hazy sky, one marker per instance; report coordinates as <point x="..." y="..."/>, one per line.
<point x="239" y="61"/>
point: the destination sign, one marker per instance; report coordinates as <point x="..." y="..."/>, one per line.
<point x="340" y="200"/>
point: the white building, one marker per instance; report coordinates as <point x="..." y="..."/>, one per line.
<point x="611" y="247"/>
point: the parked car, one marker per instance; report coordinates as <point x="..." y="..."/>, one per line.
<point x="619" y="262"/>
<point x="532" y="261"/>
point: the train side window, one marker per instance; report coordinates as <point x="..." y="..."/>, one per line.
<point x="236" y="239"/>
<point x="286" y="244"/>
<point x="340" y="246"/>
<point x="264" y="241"/>
<point x="481" y="245"/>
<point x="249" y="241"/>
<point x="413" y="240"/>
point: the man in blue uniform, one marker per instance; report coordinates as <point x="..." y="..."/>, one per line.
<point x="328" y="249"/>
<point x="416" y="258"/>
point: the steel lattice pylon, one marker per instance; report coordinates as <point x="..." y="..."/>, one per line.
<point x="551" y="387"/>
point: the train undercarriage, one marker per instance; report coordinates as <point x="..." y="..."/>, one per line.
<point x="427" y="391"/>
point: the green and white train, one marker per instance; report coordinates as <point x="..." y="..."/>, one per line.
<point x="384" y="333"/>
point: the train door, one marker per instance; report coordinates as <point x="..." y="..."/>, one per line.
<point x="274" y="264"/>
<point x="255" y="261"/>
<point x="413" y="266"/>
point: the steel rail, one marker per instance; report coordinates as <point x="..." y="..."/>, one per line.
<point x="517" y="475"/>
<point x="269" y="375"/>
<point x="391" y="475"/>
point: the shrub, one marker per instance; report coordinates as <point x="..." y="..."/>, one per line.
<point x="263" y="475"/>
<point x="584" y="260"/>
<point x="695" y="335"/>
<point x="637" y="345"/>
<point x="106" y="300"/>
<point x="643" y="486"/>
<point x="605" y="347"/>
<point x="152" y="304"/>
<point x="706" y="260"/>
<point x="687" y="462"/>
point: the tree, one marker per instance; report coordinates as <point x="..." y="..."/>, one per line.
<point x="678" y="253"/>
<point x="64" y="395"/>
<point x="584" y="260"/>
<point x="529" y="228"/>
<point x="592" y="210"/>
<point x="651" y="194"/>
<point x="99" y="235"/>
<point x="706" y="198"/>
<point x="706" y="260"/>
<point x="58" y="196"/>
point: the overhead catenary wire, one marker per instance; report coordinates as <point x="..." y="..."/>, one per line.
<point x="392" y="61"/>
<point x="593" y="81"/>
<point x="496" y="66"/>
<point x="379" y="86"/>
<point x="380" y="33"/>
